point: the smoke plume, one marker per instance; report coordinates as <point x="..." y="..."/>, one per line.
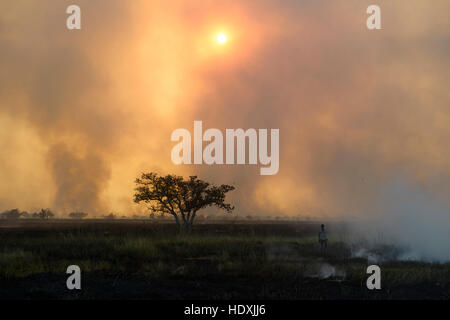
<point x="363" y="115"/>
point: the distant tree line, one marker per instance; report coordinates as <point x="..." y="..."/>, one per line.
<point x="43" y="214"/>
<point x="78" y="215"/>
<point x="16" y="214"/>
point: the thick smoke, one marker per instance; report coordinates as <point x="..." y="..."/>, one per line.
<point x="79" y="180"/>
<point x="409" y="217"/>
<point x="363" y="115"/>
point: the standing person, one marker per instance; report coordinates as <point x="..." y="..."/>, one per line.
<point x="323" y="240"/>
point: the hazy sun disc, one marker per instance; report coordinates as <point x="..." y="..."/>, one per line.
<point x="222" y="38"/>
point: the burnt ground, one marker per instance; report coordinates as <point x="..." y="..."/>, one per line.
<point x="194" y="270"/>
<point x="103" y="287"/>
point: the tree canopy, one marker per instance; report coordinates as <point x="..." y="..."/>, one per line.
<point x="78" y="215"/>
<point x="12" y="214"/>
<point x="44" y="214"/>
<point x="180" y="198"/>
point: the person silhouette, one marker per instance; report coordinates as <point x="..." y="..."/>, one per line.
<point x="323" y="240"/>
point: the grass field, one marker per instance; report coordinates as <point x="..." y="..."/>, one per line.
<point x="127" y="259"/>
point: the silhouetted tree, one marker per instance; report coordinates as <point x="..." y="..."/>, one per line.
<point x="78" y="215"/>
<point x="110" y="216"/>
<point x="180" y="198"/>
<point x="44" y="214"/>
<point x="11" y="214"/>
<point x="24" y="215"/>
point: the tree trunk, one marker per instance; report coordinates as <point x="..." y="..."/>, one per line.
<point x="187" y="227"/>
<point x="177" y="221"/>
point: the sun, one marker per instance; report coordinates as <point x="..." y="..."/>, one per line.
<point x="222" y="38"/>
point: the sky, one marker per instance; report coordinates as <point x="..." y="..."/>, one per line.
<point x="363" y="115"/>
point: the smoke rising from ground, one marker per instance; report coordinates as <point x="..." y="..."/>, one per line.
<point x="83" y="113"/>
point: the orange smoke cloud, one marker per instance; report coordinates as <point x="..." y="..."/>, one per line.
<point x="84" y="112"/>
